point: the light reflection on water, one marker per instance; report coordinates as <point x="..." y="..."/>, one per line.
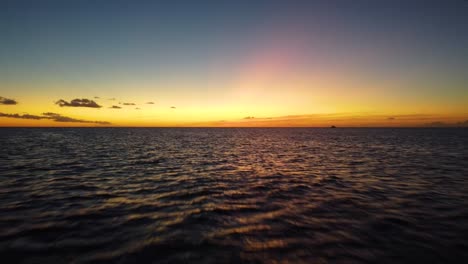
<point x="232" y="195"/>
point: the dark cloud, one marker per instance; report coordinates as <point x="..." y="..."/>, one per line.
<point x="173" y="107"/>
<point x="463" y="124"/>
<point x="391" y="118"/>
<point x="6" y="101"/>
<point x="53" y="116"/>
<point x="115" y="107"/>
<point x="96" y="97"/>
<point x="443" y="124"/>
<point x="25" y="116"/>
<point x="128" y="103"/>
<point x="249" y="117"/>
<point x="437" y="124"/>
<point x="78" y="103"/>
<point x="50" y="114"/>
<point x="150" y="103"/>
<point x="60" y="118"/>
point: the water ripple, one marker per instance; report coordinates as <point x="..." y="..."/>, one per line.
<point x="234" y="195"/>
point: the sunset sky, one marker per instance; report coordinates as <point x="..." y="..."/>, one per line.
<point x="233" y="63"/>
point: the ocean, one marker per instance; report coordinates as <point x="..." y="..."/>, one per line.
<point x="233" y="195"/>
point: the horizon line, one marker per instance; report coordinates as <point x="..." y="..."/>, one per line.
<point x="323" y="127"/>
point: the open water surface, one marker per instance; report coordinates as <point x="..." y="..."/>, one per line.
<point x="181" y="195"/>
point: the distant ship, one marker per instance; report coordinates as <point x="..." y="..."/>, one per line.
<point x="333" y="127"/>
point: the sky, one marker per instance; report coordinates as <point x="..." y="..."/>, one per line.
<point x="234" y="63"/>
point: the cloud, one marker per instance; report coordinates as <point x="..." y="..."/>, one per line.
<point x="115" y="107"/>
<point x="96" y="97"/>
<point x="112" y="99"/>
<point x="137" y="108"/>
<point x="437" y="124"/>
<point x="78" y="103"/>
<point x="150" y="103"/>
<point x="6" y="101"/>
<point x="60" y="118"/>
<point x="25" y="116"/>
<point x="128" y="103"/>
<point x="52" y="116"/>
<point x="463" y="124"/>
<point x="341" y="120"/>
<point x="173" y="107"/>
<point x="444" y="124"/>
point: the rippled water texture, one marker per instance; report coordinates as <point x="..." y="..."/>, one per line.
<point x="234" y="195"/>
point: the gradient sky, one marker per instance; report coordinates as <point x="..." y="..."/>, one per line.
<point x="234" y="63"/>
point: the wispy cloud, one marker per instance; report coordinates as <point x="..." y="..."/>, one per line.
<point x="445" y="124"/>
<point x="342" y="120"/>
<point x="128" y="103"/>
<point x="173" y="107"/>
<point x="115" y="107"/>
<point x="24" y="116"/>
<point x="464" y="123"/>
<point x="53" y="116"/>
<point x="60" y="118"/>
<point x="78" y="103"/>
<point x="150" y="103"/>
<point x="7" y="101"/>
